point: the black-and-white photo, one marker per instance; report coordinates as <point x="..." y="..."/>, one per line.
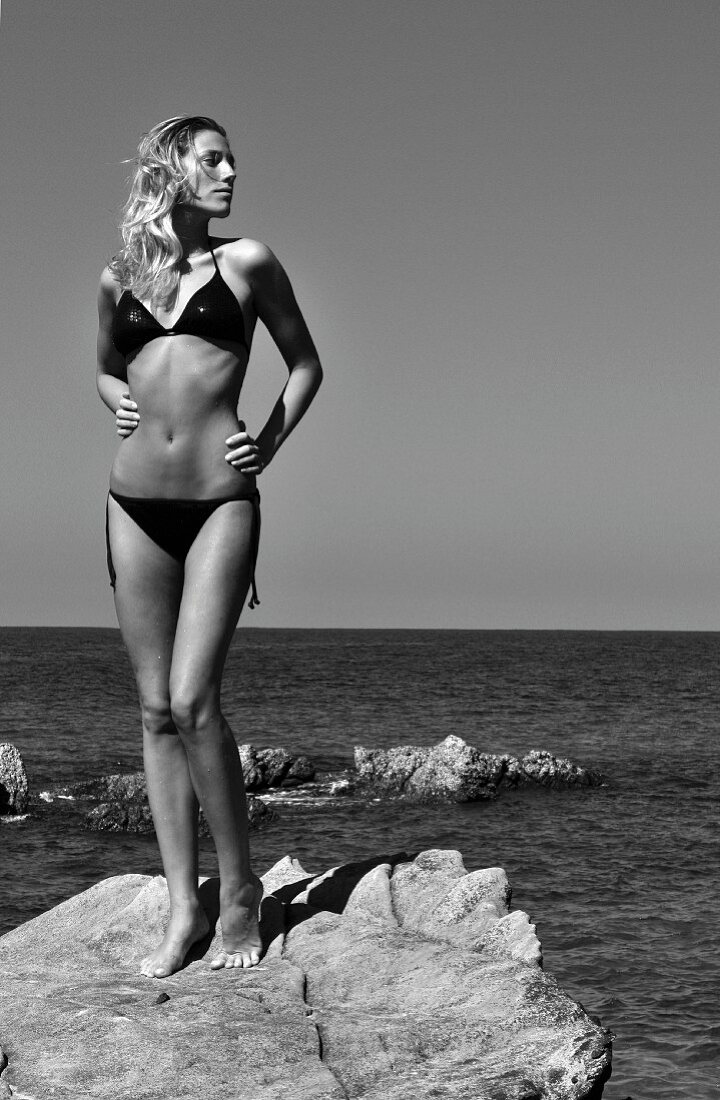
<point x="359" y="567"/>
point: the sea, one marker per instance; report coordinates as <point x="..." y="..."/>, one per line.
<point x="620" y="880"/>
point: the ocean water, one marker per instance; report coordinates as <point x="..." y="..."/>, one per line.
<point x="621" y="881"/>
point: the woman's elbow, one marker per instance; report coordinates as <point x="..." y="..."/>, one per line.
<point x="308" y="372"/>
<point x="101" y="377"/>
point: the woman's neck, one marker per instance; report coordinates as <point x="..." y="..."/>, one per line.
<point x="192" y="233"/>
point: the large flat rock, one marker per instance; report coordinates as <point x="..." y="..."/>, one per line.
<point x="387" y="979"/>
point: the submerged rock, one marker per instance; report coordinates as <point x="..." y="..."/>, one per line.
<point x="262" y="769"/>
<point x="13" y="781"/>
<point x="119" y="817"/>
<point x="130" y="788"/>
<point x="386" y="979"/>
<point x="134" y="816"/>
<point x="122" y="801"/>
<point x="454" y="771"/>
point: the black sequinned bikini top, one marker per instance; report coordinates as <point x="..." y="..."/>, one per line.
<point x="212" y="312"/>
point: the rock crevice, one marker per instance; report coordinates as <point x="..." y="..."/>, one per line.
<point x="317" y="1025"/>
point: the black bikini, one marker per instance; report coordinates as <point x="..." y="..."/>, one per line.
<point x="175" y="524"/>
<point x="212" y="313"/>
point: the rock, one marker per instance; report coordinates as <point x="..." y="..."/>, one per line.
<point x="259" y="813"/>
<point x="135" y="817"/>
<point x="13" y="781"/>
<point x="456" y="772"/>
<point x="556" y="771"/>
<point x="112" y="788"/>
<point x="122" y="804"/>
<point x="302" y="770"/>
<point x="269" y="767"/>
<point x="274" y="765"/>
<point x="385" y="979"/>
<point x="262" y="769"/>
<point x="251" y="772"/>
<point x="388" y="770"/>
<point x="118" y="817"/>
<point x="97" y="1031"/>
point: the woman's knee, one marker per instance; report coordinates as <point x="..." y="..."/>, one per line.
<point x="157" y="716"/>
<point x="191" y="711"/>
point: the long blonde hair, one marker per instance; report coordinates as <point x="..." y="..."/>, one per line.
<point x="147" y="264"/>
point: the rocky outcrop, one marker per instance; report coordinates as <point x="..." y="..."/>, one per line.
<point x="454" y="771"/>
<point x="13" y="781"/>
<point x="387" y="979"/>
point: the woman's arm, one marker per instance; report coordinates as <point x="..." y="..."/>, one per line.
<point x="111" y="369"/>
<point x="277" y="308"/>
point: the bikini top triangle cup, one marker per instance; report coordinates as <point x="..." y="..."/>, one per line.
<point x="212" y="312"/>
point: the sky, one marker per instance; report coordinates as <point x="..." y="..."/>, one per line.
<point x="500" y="218"/>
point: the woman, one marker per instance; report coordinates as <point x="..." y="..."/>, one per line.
<point x="177" y="313"/>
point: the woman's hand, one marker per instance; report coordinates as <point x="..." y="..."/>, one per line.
<point x="244" y="455"/>
<point x="126" y="417"/>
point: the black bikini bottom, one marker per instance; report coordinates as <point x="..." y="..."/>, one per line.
<point x="175" y="524"/>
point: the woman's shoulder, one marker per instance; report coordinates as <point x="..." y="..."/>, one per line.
<point x="245" y="253"/>
<point x="109" y="285"/>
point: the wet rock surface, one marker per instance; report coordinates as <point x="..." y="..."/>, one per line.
<point x="383" y="979"/>
<point x="454" y="771"/>
<point x="13" y="781"/>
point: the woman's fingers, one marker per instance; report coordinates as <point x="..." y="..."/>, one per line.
<point x="245" y="458"/>
<point x="238" y="439"/>
<point x="126" y="415"/>
<point x="244" y="454"/>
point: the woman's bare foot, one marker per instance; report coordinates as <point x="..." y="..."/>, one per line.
<point x="186" y="926"/>
<point x="239" y="918"/>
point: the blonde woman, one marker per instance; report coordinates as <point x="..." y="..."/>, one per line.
<point x="177" y="312"/>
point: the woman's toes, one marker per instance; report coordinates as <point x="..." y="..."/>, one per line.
<point x="236" y="960"/>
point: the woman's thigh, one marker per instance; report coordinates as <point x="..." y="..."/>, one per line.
<point x="148" y="590"/>
<point x="218" y="569"/>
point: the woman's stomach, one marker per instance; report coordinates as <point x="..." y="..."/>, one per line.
<point x="180" y="461"/>
<point x="186" y="390"/>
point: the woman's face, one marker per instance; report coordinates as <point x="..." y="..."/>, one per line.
<point x="211" y="175"/>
